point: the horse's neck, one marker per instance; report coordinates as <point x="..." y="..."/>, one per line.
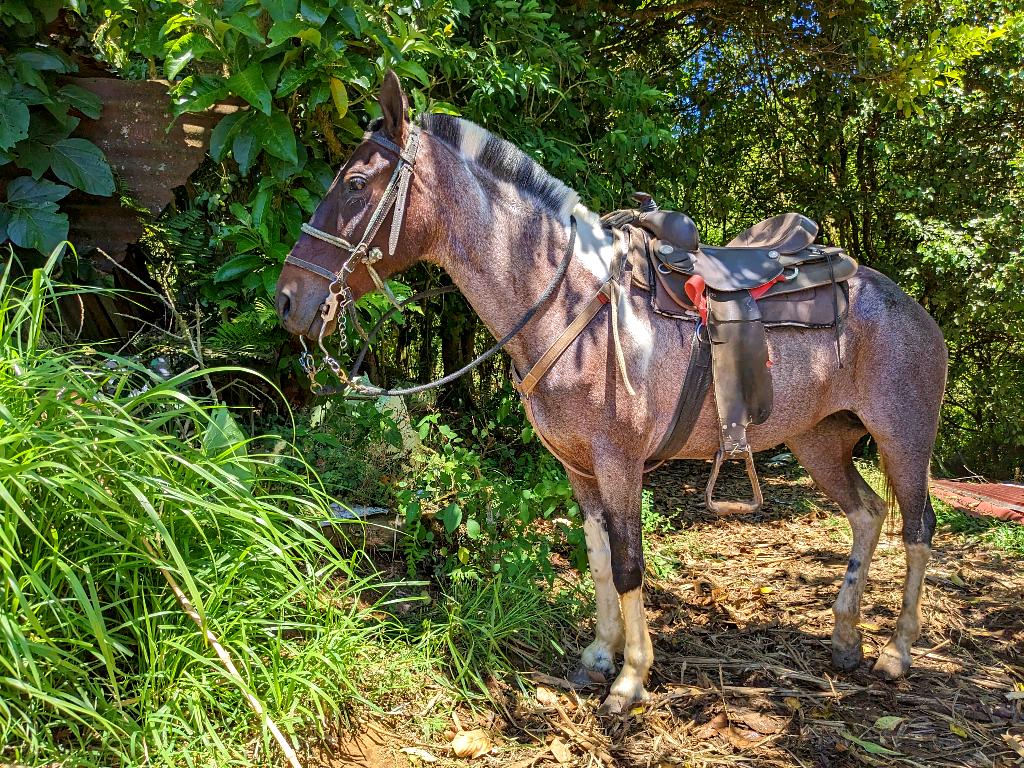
<point x="504" y="271"/>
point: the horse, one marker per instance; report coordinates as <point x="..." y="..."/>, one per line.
<point x="448" y="192"/>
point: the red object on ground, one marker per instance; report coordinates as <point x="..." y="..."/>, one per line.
<point x="1000" y="500"/>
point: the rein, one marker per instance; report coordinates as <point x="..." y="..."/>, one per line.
<point x="348" y="382"/>
<point x="339" y="296"/>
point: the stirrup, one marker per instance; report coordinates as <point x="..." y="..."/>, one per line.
<point x="734" y="507"/>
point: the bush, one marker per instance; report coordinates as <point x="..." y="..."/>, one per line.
<point x="111" y="475"/>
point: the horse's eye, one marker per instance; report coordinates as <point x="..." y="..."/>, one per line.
<point x="356" y="184"/>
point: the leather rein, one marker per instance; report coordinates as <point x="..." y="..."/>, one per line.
<point x="339" y="299"/>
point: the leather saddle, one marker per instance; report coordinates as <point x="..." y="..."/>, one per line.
<point x="772" y="274"/>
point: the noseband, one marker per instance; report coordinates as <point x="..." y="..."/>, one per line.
<point x="339" y="295"/>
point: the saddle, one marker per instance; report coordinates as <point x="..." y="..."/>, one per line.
<point x="772" y="274"/>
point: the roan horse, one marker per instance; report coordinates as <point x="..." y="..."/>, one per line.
<point x="492" y="218"/>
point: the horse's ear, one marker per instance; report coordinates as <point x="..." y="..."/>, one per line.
<point x="394" y="107"/>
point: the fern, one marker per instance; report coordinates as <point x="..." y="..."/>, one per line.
<point x="254" y="333"/>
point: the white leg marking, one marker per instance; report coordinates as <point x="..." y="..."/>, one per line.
<point x="600" y="654"/>
<point x="639" y="654"/>
<point x="894" y="660"/>
<point x="846" y="638"/>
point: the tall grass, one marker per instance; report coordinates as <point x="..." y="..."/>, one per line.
<point x="98" y="664"/>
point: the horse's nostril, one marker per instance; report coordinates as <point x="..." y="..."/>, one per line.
<point x="284" y="304"/>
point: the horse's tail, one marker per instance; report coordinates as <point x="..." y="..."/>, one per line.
<point x="889" y="495"/>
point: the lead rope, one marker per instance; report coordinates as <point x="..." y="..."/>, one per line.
<point x="347" y="383"/>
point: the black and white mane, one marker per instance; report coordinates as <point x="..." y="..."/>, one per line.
<point x="503" y="161"/>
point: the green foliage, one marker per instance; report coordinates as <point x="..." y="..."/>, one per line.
<point x="473" y="517"/>
<point x="1000" y="534"/>
<point x="35" y="130"/>
<point x="480" y="630"/>
<point x="101" y="462"/>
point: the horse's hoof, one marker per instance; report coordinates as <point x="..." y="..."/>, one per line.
<point x="891" y="663"/>
<point x="847" y="659"/>
<point x="585" y="677"/>
<point x="625" y="693"/>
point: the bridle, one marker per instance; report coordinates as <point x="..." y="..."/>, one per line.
<point x="339" y="298"/>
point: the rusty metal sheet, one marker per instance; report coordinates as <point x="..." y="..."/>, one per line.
<point x="148" y="159"/>
<point x="1004" y="501"/>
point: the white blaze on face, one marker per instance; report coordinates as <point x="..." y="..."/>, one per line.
<point x="595" y="249"/>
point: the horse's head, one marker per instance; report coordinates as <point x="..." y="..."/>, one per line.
<point x="358" y="233"/>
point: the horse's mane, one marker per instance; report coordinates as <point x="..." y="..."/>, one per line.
<point x="503" y="161"/>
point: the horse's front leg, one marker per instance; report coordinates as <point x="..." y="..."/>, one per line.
<point x="619" y="486"/>
<point x="598" y="660"/>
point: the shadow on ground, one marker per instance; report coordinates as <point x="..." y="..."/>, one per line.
<point x="740" y="615"/>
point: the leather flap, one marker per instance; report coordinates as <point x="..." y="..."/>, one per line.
<point x="726" y="269"/>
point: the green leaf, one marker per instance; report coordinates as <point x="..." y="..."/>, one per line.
<point x="351" y="19"/>
<point x="247" y="26"/>
<point x="472" y="529"/>
<point x="14" y="120"/>
<point x="239" y="265"/>
<point x="315" y="12"/>
<point x="191" y="45"/>
<point x="280" y="10"/>
<point x="415" y="71"/>
<point x="33" y="157"/>
<point x="869" y="746"/>
<point x="285" y="30"/>
<point x="340" y="96"/>
<point x="198" y="92"/>
<point x="451" y="517"/>
<point x="250" y="85"/>
<point x="275" y="135"/>
<point x="294" y="78"/>
<point x="82" y="164"/>
<point x="37" y="225"/>
<point x="26" y="190"/>
<point x="224" y="438"/>
<point x="47" y="60"/>
<point x="245" y="150"/>
<point x="888" y="722"/>
<point x="224" y="132"/>
<point x="86" y="102"/>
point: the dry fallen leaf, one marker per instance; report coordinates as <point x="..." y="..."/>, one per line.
<point x="421" y="754"/>
<point x="546" y="697"/>
<point x="959" y="730"/>
<point x="868" y="626"/>
<point x="560" y="751"/>
<point x="1015" y="742"/>
<point x="741" y="738"/>
<point x="888" y="722"/>
<point x="471" y="744"/>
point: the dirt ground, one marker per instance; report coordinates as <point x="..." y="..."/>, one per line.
<point x="739" y="610"/>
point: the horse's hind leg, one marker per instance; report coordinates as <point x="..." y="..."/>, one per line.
<point x="907" y="472"/>
<point x="826" y="452"/>
<point x="598" y="659"/>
